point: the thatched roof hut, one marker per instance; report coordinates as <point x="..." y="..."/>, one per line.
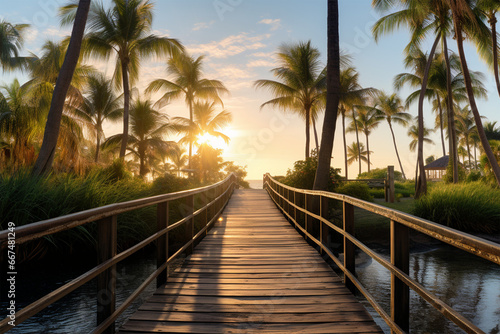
<point x="436" y="169"/>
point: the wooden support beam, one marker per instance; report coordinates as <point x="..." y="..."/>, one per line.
<point x="400" y="292"/>
<point x="349" y="247"/>
<point x="162" y="243"/>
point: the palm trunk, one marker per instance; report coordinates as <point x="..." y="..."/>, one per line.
<point x="368" y="151"/>
<point x="357" y="138"/>
<point x="315" y="136"/>
<point x="97" y="146"/>
<point x="421" y="181"/>
<point x="126" y="108"/>
<point x="441" y="126"/>
<point x="452" y="132"/>
<point x="308" y="130"/>
<point x="190" y="139"/>
<point x="493" y="23"/>
<point x="468" y="150"/>
<point x="332" y="98"/>
<point x="345" y="143"/>
<point x="475" y="156"/>
<point x="477" y="117"/>
<point x="397" y="153"/>
<point x="45" y="158"/>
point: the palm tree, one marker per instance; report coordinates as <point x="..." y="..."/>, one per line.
<point x="466" y="128"/>
<point x="124" y="30"/>
<point x="492" y="132"/>
<point x="207" y="122"/>
<point x="179" y="159"/>
<point x="187" y="82"/>
<point x="391" y="107"/>
<point x="332" y="98"/>
<point x="350" y="94"/>
<point x="462" y="15"/>
<point x="19" y="124"/>
<point x="11" y="42"/>
<point x="148" y="126"/>
<point x="356" y="153"/>
<point x="302" y="86"/>
<point x="489" y="8"/>
<point x="413" y="133"/>
<point x="368" y="119"/>
<point x="46" y="155"/>
<point x="99" y="104"/>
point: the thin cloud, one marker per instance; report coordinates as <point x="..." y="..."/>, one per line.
<point x="261" y="63"/>
<point x="203" y="25"/>
<point x="275" y="24"/>
<point x="53" y="31"/>
<point x="230" y="46"/>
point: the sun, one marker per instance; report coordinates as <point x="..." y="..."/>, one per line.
<point x="215" y="142"/>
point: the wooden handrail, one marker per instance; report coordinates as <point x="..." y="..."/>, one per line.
<point x="215" y="197"/>
<point x="398" y="266"/>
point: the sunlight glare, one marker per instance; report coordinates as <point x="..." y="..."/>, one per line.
<point x="215" y="142"/>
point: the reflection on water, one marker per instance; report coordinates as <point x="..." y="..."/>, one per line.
<point x="468" y="284"/>
<point x="76" y="313"/>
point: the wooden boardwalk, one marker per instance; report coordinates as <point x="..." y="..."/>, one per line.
<point x="253" y="273"/>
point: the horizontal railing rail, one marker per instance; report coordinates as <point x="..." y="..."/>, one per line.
<point x="211" y="201"/>
<point x="313" y="205"/>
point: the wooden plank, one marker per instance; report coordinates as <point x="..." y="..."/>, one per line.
<point x="252" y="273"/>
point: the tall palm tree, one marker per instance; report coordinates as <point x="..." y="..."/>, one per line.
<point x="302" y="86"/>
<point x="356" y="152"/>
<point x="123" y="30"/>
<point x="11" y="42"/>
<point x="99" y="104"/>
<point x="466" y="128"/>
<point x="206" y="122"/>
<point x="492" y="131"/>
<point x="489" y="9"/>
<point x="350" y="94"/>
<point x="391" y="107"/>
<point x="463" y="16"/>
<point x="332" y="97"/>
<point x="187" y="82"/>
<point x="148" y="127"/>
<point x="368" y="119"/>
<point x="46" y="155"/>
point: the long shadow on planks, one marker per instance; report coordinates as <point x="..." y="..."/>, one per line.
<point x="253" y="273"/>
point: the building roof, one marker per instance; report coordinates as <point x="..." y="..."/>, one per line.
<point x="440" y="163"/>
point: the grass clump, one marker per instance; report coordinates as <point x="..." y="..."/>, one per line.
<point x="356" y="189"/>
<point x="473" y="207"/>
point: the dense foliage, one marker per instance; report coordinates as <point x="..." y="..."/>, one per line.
<point x="471" y="206"/>
<point x="380" y="173"/>
<point x="356" y="189"/>
<point x="303" y="173"/>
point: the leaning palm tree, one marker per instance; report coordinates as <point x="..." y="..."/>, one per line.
<point x="413" y="133"/>
<point x="489" y="9"/>
<point x="302" y="84"/>
<point x="367" y="120"/>
<point x="99" y="104"/>
<point x="464" y="16"/>
<point x="148" y="127"/>
<point x="356" y="152"/>
<point x="207" y="122"/>
<point x="391" y="107"/>
<point x="11" y="42"/>
<point x="124" y="31"/>
<point x="188" y="82"/>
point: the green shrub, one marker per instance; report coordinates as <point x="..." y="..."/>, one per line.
<point x="469" y="207"/>
<point x="377" y="192"/>
<point x="473" y="176"/>
<point x="380" y="173"/>
<point x="303" y="173"/>
<point x="356" y="189"/>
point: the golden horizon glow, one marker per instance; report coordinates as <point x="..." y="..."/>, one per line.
<point x="215" y="142"/>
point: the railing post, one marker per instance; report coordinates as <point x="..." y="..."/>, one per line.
<point x="162" y="244"/>
<point x="106" y="281"/>
<point x="400" y="258"/>
<point x="307" y="218"/>
<point x="189" y="225"/>
<point x="295" y="201"/>
<point x="204" y="215"/>
<point x="349" y="248"/>
<point x="390" y="185"/>
<point x="323" y="228"/>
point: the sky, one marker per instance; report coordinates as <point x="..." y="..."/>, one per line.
<point x="239" y="39"/>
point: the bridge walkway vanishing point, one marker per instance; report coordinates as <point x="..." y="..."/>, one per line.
<point x="252" y="273"/>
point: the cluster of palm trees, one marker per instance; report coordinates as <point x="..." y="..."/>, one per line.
<point x="122" y="31"/>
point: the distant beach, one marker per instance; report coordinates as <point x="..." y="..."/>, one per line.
<point x="255" y="184"/>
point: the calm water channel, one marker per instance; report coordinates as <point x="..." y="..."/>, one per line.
<point x="470" y="285"/>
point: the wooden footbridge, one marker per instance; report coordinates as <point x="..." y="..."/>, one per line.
<point x="251" y="272"/>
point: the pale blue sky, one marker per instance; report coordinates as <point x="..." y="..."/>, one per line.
<point x="239" y="39"/>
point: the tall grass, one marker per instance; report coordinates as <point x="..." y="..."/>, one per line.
<point x="25" y="199"/>
<point x="473" y="207"/>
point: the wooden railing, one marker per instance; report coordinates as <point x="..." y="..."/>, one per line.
<point x="313" y="205"/>
<point x="210" y="201"/>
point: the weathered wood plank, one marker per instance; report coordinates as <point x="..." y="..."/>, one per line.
<point x="252" y="274"/>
